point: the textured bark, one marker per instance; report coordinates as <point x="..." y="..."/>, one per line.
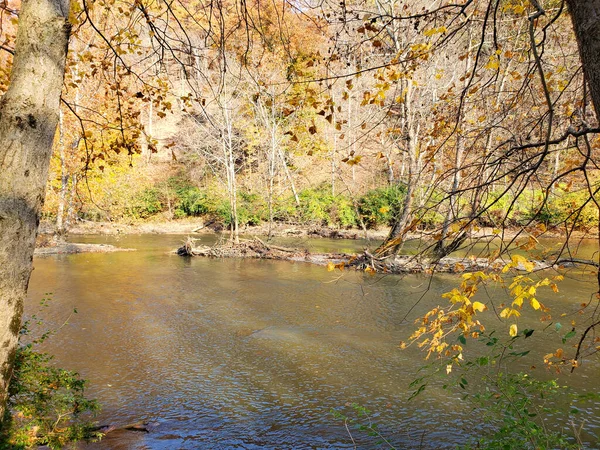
<point x="585" y="15"/>
<point x="28" y="120"/>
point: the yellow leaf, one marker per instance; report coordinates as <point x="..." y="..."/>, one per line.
<point x="493" y="63"/>
<point x="449" y="368"/>
<point x="478" y="306"/>
<point x="518" y="259"/>
<point x="513" y="330"/>
<point x="535" y="304"/>
<point x="330" y="266"/>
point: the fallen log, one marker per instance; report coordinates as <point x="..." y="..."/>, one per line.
<point x="144" y="427"/>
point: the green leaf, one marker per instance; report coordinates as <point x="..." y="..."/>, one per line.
<point x="568" y="336"/>
<point x="418" y="391"/>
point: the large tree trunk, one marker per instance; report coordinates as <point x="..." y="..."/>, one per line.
<point x="585" y="15"/>
<point x="28" y="118"/>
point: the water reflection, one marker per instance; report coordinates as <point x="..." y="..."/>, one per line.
<point x="249" y="354"/>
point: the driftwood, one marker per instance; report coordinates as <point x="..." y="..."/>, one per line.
<point x="204" y="225"/>
<point x="253" y="248"/>
<point x="366" y="261"/>
<point x="144" y="427"/>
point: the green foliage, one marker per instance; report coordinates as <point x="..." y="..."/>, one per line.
<point x="191" y="202"/>
<point x="46" y="404"/>
<point x="252" y="209"/>
<point x="319" y="207"/>
<point x="561" y="206"/>
<point x="284" y="209"/>
<point x="517" y="409"/>
<point x="516" y="405"/>
<point x="377" y="206"/>
<point x="359" y="419"/>
<point x="146" y="204"/>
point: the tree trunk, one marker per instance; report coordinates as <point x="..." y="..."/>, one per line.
<point x="28" y="120"/>
<point x="585" y="15"/>
<point x="64" y="182"/>
<point x="70" y="202"/>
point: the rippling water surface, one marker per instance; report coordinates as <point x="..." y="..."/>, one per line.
<point x="254" y="354"/>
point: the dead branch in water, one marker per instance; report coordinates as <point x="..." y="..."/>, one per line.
<point x="365" y="261"/>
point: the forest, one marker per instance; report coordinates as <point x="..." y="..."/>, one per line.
<point x="449" y="135"/>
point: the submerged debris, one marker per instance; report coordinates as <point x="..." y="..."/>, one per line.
<point x="253" y="248"/>
<point x="69" y="248"/>
<point x="256" y="248"/>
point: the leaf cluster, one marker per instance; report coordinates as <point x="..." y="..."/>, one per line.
<point x="46" y="404"/>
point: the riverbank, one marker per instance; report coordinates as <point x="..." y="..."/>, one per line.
<point x="198" y="226"/>
<point x="195" y="226"/>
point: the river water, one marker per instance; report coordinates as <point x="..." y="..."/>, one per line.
<point x="256" y="354"/>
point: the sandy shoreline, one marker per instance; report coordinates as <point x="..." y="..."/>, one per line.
<point x="196" y="226"/>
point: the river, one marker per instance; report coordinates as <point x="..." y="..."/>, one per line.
<point x="256" y="354"/>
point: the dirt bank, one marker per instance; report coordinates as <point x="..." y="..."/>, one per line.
<point x="197" y="226"/>
<point x="194" y="226"/>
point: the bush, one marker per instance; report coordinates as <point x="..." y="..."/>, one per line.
<point x="561" y="207"/>
<point x="191" y="201"/>
<point x="46" y="405"/>
<point x="377" y="207"/>
<point x="319" y="207"/>
<point x="146" y="204"/>
<point x="252" y="209"/>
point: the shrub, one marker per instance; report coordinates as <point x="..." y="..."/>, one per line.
<point x="146" y="204"/>
<point x="319" y="207"/>
<point x="191" y="202"/>
<point x="377" y="206"/>
<point x="46" y="405"/>
<point x="284" y="209"/>
<point x="342" y="211"/>
<point x="252" y="209"/>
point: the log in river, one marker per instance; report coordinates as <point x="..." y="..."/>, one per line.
<point x="256" y="248"/>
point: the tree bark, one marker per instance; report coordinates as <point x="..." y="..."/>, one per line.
<point x="585" y="15"/>
<point x="28" y="119"/>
